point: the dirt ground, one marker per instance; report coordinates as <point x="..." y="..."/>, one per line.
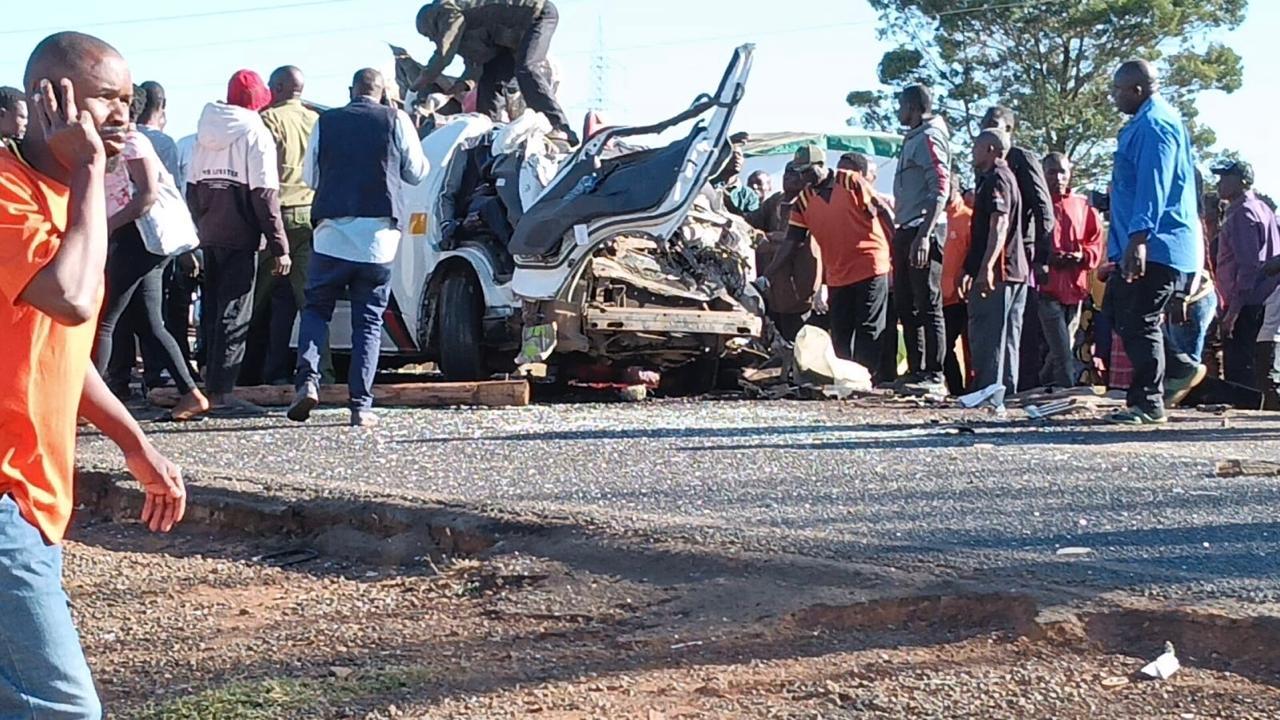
<point x="190" y="627"/>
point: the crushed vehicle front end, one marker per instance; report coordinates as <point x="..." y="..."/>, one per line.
<point x="628" y="259"/>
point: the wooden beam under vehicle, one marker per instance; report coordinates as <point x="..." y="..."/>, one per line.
<point x="694" y="322"/>
<point x="490" y="393"/>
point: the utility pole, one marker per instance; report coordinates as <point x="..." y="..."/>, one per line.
<point x="600" y="67"/>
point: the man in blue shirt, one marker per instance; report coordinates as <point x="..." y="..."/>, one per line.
<point x="357" y="158"/>
<point x="1155" y="240"/>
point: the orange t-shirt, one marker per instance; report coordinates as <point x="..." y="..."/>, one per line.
<point x="959" y="238"/>
<point x="43" y="363"/>
<point x="853" y="243"/>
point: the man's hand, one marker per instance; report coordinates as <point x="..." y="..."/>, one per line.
<point x="166" y="502"/>
<point x="820" y="305"/>
<point x="1228" y="325"/>
<point x="283" y="265"/>
<point x="966" y="286"/>
<point x="920" y="250"/>
<point x="1042" y="274"/>
<point x="1134" y="264"/>
<point x="69" y="132"/>
<point x="987" y="282"/>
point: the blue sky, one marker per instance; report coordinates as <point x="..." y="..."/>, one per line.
<point x="658" y="55"/>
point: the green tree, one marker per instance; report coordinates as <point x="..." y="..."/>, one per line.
<point x="1052" y="62"/>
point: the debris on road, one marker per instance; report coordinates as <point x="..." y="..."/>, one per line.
<point x="978" y="397"/>
<point x="807" y="370"/>
<point x="1163" y="667"/>
<point x="1115" y="682"/>
<point x="1247" y="468"/>
<point x="1074" y="552"/>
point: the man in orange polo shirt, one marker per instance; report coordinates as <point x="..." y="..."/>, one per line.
<point x="53" y="248"/>
<point x="852" y="228"/>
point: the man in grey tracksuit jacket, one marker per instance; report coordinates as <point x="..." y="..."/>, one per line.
<point x="921" y="188"/>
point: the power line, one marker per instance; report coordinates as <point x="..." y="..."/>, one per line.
<point x="809" y="28"/>
<point x="739" y="36"/>
<point x="189" y="16"/>
<point x="262" y="39"/>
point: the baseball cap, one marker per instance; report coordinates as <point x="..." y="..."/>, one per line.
<point x="1239" y="168"/>
<point x="247" y="90"/>
<point x="808" y="156"/>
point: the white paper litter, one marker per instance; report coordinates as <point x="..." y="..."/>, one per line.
<point x="1163" y="667"/>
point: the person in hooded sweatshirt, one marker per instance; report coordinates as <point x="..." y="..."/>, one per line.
<point x="921" y="190"/>
<point x="233" y="189"/>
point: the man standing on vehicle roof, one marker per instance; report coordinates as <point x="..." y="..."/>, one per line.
<point x="356" y="159"/>
<point x="921" y="189"/>
<point x="500" y="40"/>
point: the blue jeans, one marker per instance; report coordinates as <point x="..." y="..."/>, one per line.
<point x="1190" y="337"/>
<point x="368" y="286"/>
<point x="43" y="673"/>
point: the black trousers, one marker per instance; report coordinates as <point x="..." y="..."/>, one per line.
<point x="1239" y="352"/>
<point x="918" y="301"/>
<point x="956" y="317"/>
<point x="135" y="275"/>
<point x="1137" y="310"/>
<point x="858" y="316"/>
<point x="178" y="289"/>
<point x="226" y="309"/>
<point x="525" y="67"/>
<point x="789" y="324"/>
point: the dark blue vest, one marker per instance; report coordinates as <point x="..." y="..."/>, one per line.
<point x="355" y="159"/>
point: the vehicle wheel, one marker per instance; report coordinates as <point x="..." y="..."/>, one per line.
<point x="461" y="314"/>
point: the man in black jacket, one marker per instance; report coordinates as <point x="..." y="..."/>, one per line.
<point x="1037" y="221"/>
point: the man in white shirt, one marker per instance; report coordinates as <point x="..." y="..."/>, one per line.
<point x="356" y="160"/>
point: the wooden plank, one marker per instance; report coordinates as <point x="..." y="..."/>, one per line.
<point x="491" y="393"/>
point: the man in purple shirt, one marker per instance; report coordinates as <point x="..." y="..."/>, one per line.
<point x="1248" y="239"/>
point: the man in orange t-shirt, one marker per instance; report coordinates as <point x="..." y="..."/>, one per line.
<point x="955" y="307"/>
<point x="852" y="228"/>
<point x="53" y="247"/>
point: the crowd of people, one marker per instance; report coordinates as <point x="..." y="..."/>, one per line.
<point x="989" y="283"/>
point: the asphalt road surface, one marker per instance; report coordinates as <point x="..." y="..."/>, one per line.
<point x="940" y="490"/>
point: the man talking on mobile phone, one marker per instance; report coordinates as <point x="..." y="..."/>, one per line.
<point x="53" y="248"/>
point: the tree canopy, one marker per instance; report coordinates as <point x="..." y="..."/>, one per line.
<point x="1052" y="62"/>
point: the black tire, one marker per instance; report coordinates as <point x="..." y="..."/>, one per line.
<point x="460" y="324"/>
